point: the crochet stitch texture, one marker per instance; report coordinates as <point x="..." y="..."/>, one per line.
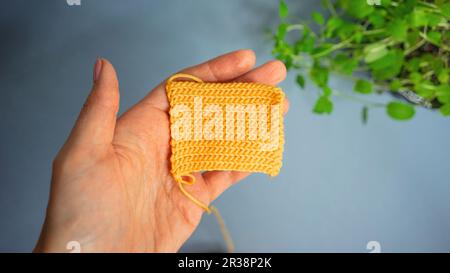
<point x="223" y="126"/>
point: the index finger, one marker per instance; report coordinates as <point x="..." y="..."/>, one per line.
<point x="222" y="68"/>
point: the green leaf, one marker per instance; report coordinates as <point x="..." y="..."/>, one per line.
<point x="443" y="94"/>
<point x="323" y="105"/>
<point x="437" y="64"/>
<point x="406" y="7"/>
<point x="446" y="10"/>
<point x="377" y="19"/>
<point x="388" y="66"/>
<point x="413" y="37"/>
<point x="281" y="31"/>
<point x="322" y="50"/>
<point x="332" y="25"/>
<point x="363" y="87"/>
<point x="327" y="91"/>
<point x="415" y="77"/>
<point x="374" y="52"/>
<point x="347" y="30"/>
<point x="283" y="9"/>
<point x="413" y="64"/>
<point x="344" y="64"/>
<point x="443" y="76"/>
<point x="395" y="85"/>
<point x="318" y="18"/>
<point x="364" y="114"/>
<point x="434" y="19"/>
<point x="357" y="8"/>
<point x="400" y="111"/>
<point x="434" y="37"/>
<point x="358" y="37"/>
<point x="418" y="18"/>
<point x="398" y="28"/>
<point x="319" y="75"/>
<point x="425" y="88"/>
<point x="300" y="81"/>
<point x="445" y="110"/>
<point x="306" y="44"/>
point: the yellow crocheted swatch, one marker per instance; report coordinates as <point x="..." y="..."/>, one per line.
<point x="224" y="126"/>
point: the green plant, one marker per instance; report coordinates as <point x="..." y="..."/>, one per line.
<point x="400" y="47"/>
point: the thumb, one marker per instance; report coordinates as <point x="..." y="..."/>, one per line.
<point x="97" y="120"/>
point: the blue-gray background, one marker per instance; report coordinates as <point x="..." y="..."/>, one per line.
<point x="342" y="184"/>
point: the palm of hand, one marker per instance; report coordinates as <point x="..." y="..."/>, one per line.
<point x="112" y="189"/>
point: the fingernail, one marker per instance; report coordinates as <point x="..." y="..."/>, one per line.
<point x="97" y="68"/>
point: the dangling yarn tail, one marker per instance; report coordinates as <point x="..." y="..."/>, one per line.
<point x="223" y="228"/>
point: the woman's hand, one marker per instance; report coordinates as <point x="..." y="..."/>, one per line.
<point x="112" y="190"/>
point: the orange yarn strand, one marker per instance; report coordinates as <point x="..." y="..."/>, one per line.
<point x="223" y="126"/>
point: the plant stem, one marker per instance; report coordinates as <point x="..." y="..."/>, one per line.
<point x="367" y="103"/>
<point x="330" y="7"/>
<point x="295" y="27"/>
<point x="333" y="48"/>
<point x="430" y="5"/>
<point x="299" y="27"/>
<point x="441" y="46"/>
<point x="416" y="46"/>
<point x="374" y="31"/>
